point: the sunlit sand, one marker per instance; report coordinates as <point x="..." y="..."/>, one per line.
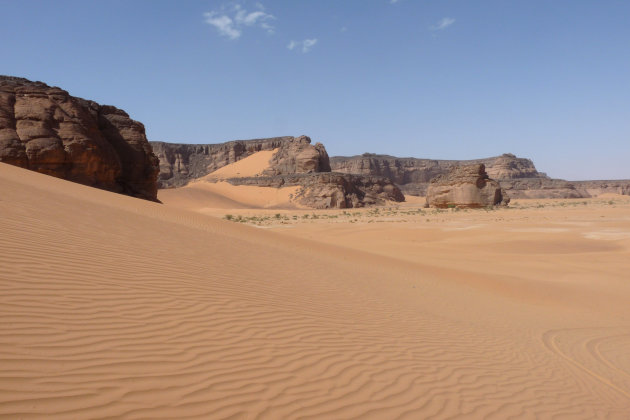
<point x="115" y="307"/>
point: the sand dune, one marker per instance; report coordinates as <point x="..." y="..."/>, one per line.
<point x="211" y="192"/>
<point x="204" y="196"/>
<point x="252" y="165"/>
<point x="116" y="307"/>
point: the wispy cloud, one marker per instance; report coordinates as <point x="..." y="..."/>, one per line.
<point x="443" y="24"/>
<point x="305" y="45"/>
<point x="393" y="1"/>
<point x="231" y="22"/>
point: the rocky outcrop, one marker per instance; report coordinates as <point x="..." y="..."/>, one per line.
<point x="296" y="163"/>
<point x="323" y="190"/>
<point x="595" y="188"/>
<point x="466" y="186"/>
<point x="414" y="170"/>
<point x="413" y="174"/>
<point x="518" y="176"/>
<point x="181" y="163"/>
<point x="44" y="129"/>
<point x="298" y="156"/>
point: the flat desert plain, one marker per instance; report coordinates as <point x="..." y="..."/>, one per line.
<point x="114" y="307"/>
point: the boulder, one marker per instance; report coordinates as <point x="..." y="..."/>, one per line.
<point x="44" y="129"/>
<point x="466" y="186"/>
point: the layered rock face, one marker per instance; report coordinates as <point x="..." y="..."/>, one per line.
<point x="296" y="163"/>
<point x="595" y="188"/>
<point x="466" y="186"/>
<point x="324" y="190"/>
<point x="518" y="176"/>
<point x="181" y="163"/>
<point x="297" y="156"/>
<point x="44" y="129"/>
<point x="413" y="175"/>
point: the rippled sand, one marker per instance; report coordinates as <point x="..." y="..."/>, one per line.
<point x="116" y="307"/>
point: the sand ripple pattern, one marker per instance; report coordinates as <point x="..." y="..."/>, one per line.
<point x="121" y="309"/>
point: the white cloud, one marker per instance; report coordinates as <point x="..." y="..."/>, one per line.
<point x="230" y="23"/>
<point x="443" y="24"/>
<point x="306" y="45"/>
<point x="223" y="23"/>
<point x="343" y="29"/>
<point x="393" y="1"/>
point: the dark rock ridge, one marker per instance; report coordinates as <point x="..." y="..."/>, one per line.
<point x="467" y="186"/>
<point x="324" y="190"/>
<point x="518" y="176"/>
<point x="44" y="129"/>
<point x="181" y="163"/>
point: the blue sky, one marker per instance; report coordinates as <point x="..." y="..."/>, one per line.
<point x="547" y="80"/>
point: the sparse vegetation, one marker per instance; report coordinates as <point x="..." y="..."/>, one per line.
<point x="405" y="214"/>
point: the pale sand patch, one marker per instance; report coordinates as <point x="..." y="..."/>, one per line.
<point x="608" y="234"/>
<point x="114" y="307"/>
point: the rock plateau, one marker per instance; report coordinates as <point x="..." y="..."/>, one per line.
<point x="44" y="129"/>
<point x="518" y="176"/>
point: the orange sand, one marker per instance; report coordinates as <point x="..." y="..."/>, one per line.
<point x="252" y="165"/>
<point x="121" y="308"/>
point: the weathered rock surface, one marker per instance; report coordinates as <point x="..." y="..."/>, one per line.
<point x="181" y="163"/>
<point x="324" y="190"/>
<point x="595" y="188"/>
<point x="466" y="186"/>
<point x="298" y="156"/>
<point x="518" y="176"/>
<point x="413" y="174"/>
<point x="296" y="163"/>
<point x="44" y="129"/>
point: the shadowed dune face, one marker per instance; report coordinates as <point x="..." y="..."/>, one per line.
<point x="116" y="307"/>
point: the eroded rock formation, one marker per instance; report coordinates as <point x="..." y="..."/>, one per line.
<point x="296" y="163"/>
<point x="323" y="190"/>
<point x="518" y="176"/>
<point x="466" y="186"/>
<point x="413" y="174"/>
<point x="44" y="129"/>
<point x="181" y="163"/>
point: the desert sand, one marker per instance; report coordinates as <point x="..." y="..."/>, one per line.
<point x="116" y="307"/>
<point x="212" y="192"/>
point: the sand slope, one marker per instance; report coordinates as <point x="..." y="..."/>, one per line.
<point x="252" y="165"/>
<point x="116" y="307"/>
<point x="211" y="192"/>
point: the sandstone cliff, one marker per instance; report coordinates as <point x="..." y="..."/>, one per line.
<point x="413" y="174"/>
<point x="518" y="176"/>
<point x="467" y="186"/>
<point x="181" y="163"/>
<point x="44" y="129"/>
<point x="295" y="163"/>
